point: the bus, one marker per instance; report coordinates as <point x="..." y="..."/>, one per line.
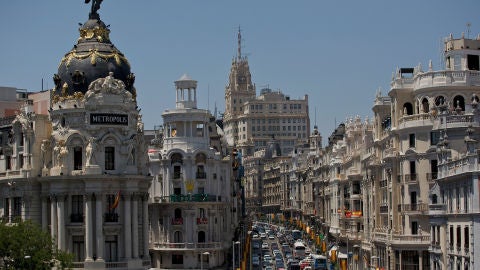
<point x="298" y="250"/>
<point x="296" y="234"/>
<point x="319" y="262"/>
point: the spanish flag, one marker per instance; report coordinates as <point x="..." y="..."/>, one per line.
<point x="116" y="201"/>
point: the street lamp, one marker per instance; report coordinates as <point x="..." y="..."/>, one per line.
<point x="201" y="258"/>
<point x="233" y="251"/>
<point x="27" y="259"/>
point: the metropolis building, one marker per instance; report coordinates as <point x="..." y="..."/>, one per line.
<point x="79" y="169"/>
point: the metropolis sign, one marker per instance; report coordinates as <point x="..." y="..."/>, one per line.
<point x="108" y="119"/>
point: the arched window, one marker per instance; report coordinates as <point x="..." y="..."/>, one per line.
<point x="459" y="102"/>
<point x="77" y="158"/>
<point x="407" y="108"/>
<point x="201" y="237"/>
<point x="200" y="158"/>
<point x="425" y="106"/>
<point x="440" y="100"/>
<point x="434" y="199"/>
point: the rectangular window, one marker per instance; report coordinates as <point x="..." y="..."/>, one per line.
<point x="459" y="236"/>
<point x="414" y="227"/>
<point x="466" y="236"/>
<point x="411" y="140"/>
<point x="457" y="62"/>
<point x="77" y="208"/>
<point x="434" y="137"/>
<point x="78" y="248"/>
<point x="77" y="158"/>
<point x="473" y="63"/>
<point x="17" y="207"/>
<point x="451" y="236"/>
<point x="7" y="208"/>
<point x="111" y="248"/>
<point x="8" y="162"/>
<point x="109" y="158"/>
<point x="413" y="171"/>
<point x="466" y="198"/>
<point x="20" y="161"/>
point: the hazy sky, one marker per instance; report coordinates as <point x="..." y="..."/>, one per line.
<point x="339" y="53"/>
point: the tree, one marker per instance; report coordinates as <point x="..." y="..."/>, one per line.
<point x="24" y="245"/>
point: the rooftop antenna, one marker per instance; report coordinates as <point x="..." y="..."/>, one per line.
<point x="239" y="37"/>
<point x="468" y="29"/>
<point x="208" y="97"/>
<point x="315" y="115"/>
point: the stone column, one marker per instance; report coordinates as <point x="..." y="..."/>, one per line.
<point x="44" y="214"/>
<point x="127" y="227"/>
<point x="146" y="239"/>
<point x="89" y="228"/>
<point x="99" y="226"/>
<point x="135" y="226"/>
<point x="61" y="222"/>
<point x="53" y="218"/>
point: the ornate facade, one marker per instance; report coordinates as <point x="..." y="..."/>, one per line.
<point x="192" y="208"/>
<point x="250" y="121"/>
<point x="80" y="171"/>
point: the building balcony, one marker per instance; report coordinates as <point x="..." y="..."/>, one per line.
<point x="447" y="78"/>
<point x="413" y="240"/>
<point x="437" y="209"/>
<point x="207" y="246"/>
<point x="380" y="235"/>
<point x="390" y="152"/>
<point x="177" y="221"/>
<point x="179" y="198"/>
<point x="411" y="209"/>
<point x="415" y="120"/>
<point x="410" y="179"/>
<point x="202" y="220"/>
<point x="467" y="164"/>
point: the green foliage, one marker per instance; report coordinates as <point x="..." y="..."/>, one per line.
<point x="24" y="245"/>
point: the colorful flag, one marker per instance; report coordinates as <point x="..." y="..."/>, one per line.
<point x="116" y="201"/>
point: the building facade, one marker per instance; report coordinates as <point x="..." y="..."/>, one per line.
<point x="193" y="212"/>
<point x="80" y="170"/>
<point x="250" y="121"/>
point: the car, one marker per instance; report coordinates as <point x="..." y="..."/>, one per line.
<point x="255" y="261"/>
<point x="263" y="235"/>
<point x="268" y="268"/>
<point x="271" y="237"/>
<point x="264" y="245"/>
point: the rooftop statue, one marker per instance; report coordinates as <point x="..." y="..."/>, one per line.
<point x="95" y="7"/>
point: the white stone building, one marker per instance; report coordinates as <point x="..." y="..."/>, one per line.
<point x="80" y="171"/>
<point x="192" y="208"/>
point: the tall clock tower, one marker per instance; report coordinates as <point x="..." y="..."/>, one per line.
<point x="238" y="90"/>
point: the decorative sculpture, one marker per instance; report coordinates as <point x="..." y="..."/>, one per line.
<point x="95" y="7"/>
<point x="90" y="151"/>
